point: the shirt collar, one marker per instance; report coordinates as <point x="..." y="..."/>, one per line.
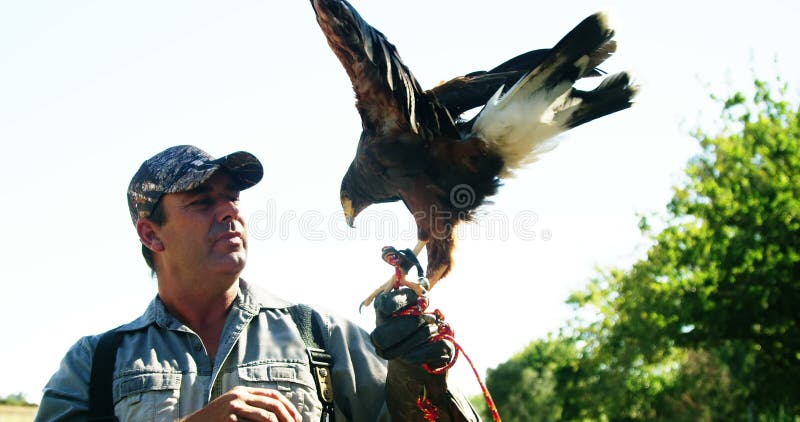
<point x="258" y="298"/>
<point x="250" y="298"/>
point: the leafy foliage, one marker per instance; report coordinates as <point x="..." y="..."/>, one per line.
<point x="706" y="327"/>
<point x="17" y="399"/>
<point x="534" y="385"/>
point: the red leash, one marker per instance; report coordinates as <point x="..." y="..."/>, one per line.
<point x="444" y="332"/>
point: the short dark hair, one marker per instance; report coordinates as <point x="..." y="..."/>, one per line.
<point x="159" y="217"/>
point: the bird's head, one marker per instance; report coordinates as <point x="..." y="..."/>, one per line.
<point x="350" y="210"/>
<point x="360" y="190"/>
<point x="350" y="196"/>
<point x="352" y="204"/>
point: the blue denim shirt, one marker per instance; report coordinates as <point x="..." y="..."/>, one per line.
<point x="163" y="372"/>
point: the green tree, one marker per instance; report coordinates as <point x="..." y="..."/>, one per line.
<point x="706" y="326"/>
<point x="534" y="385"/>
<point x="17" y="399"/>
<point x="701" y="391"/>
<point x="724" y="275"/>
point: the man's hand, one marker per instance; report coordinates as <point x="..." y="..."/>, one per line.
<point x="406" y="337"/>
<point x="248" y="404"/>
<point x="405" y="342"/>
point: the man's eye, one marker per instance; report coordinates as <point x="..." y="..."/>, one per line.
<point x="201" y="202"/>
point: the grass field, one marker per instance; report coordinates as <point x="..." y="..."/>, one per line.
<point x="17" y="413"/>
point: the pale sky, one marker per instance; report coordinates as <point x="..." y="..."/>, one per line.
<point x="90" y="89"/>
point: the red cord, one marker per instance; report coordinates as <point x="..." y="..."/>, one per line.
<point x="394" y="261"/>
<point x="429" y="411"/>
<point x="486" y="395"/>
<point x="444" y="332"/>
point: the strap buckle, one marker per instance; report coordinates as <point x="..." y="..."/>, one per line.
<point x="321" y="363"/>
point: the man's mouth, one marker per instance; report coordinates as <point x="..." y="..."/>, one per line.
<point x="232" y="238"/>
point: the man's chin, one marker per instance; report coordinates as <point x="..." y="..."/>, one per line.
<point x="231" y="263"/>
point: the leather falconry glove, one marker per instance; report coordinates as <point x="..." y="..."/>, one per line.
<point x="404" y="341"/>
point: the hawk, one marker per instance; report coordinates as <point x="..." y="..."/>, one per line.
<point x="416" y="147"/>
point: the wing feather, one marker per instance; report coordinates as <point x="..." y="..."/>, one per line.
<point x="388" y="97"/>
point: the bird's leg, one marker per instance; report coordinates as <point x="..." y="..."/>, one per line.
<point x="389" y="284"/>
<point x="420" y="245"/>
<point x="418" y="288"/>
<point x="434" y="276"/>
<point x="383" y="288"/>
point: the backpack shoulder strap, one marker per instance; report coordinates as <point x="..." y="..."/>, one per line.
<point x="101" y="399"/>
<point x="310" y="328"/>
<point x="321" y="362"/>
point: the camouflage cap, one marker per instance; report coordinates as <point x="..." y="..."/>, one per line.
<point x="182" y="168"/>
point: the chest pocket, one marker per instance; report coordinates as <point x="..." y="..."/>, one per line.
<point x="151" y="396"/>
<point x="293" y="380"/>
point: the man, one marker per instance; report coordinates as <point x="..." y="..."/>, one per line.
<point x="210" y="346"/>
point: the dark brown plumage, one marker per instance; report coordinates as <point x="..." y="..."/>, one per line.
<point x="414" y="146"/>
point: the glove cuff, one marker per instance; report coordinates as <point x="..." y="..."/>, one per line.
<point x="407" y="382"/>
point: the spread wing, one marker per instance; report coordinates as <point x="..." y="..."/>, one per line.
<point x="474" y="89"/>
<point x="388" y="97"/>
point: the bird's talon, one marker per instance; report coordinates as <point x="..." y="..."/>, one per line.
<point x="424" y="283"/>
<point x="430" y="319"/>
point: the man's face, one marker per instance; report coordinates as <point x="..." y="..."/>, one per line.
<point x="204" y="233"/>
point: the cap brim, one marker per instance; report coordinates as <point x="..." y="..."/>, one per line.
<point x="244" y="167"/>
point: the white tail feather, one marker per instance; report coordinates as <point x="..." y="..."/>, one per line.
<point x="521" y="125"/>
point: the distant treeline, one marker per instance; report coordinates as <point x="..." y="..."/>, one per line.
<point x="17" y="399"/>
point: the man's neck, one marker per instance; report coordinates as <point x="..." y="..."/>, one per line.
<point x="202" y="305"/>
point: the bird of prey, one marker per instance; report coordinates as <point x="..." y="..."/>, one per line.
<point x="416" y="148"/>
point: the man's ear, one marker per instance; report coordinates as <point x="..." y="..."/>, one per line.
<point x="148" y="235"/>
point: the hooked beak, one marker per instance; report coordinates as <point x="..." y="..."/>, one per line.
<point x="349" y="211"/>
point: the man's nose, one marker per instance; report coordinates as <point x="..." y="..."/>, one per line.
<point x="229" y="210"/>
